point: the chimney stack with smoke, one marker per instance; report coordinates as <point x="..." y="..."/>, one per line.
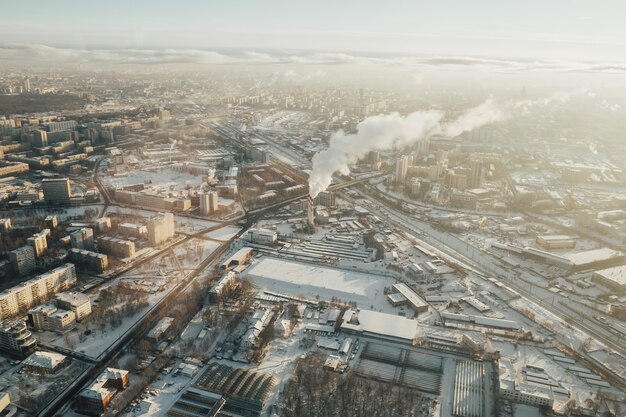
<point x="310" y="215"/>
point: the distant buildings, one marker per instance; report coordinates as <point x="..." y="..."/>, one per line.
<point x="23" y="259"/>
<point x="56" y="190"/>
<point x="15" y="338"/>
<point x="160" y="228"/>
<point x="95" y="399"/>
<point x="475" y="179"/>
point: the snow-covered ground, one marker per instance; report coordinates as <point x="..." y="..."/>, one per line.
<point x="223" y="234"/>
<point x="309" y="280"/>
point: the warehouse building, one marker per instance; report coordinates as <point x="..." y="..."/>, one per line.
<point x="612" y="278"/>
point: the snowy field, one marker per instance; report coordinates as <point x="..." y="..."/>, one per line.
<point x="194" y="251"/>
<point x="311" y="280"/>
<point x="223" y="234"/>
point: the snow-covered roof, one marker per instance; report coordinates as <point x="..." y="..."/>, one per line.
<point x="382" y="324"/>
<point x="46" y="360"/>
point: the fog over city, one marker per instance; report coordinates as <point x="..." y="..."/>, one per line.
<point x="313" y="209"/>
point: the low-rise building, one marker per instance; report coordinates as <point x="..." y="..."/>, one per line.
<point x="160" y="331"/>
<point x="77" y="302"/>
<point x="117" y="247"/>
<point x="262" y="236"/>
<point x="95" y="261"/>
<point x="612" y="278"/>
<point x="48" y="317"/>
<point x="44" y="363"/>
<point x="226" y="283"/>
<point x="95" y="399"/>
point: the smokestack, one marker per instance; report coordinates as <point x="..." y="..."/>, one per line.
<point x="309" y="212"/>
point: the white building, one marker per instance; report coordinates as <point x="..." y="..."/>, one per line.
<point x="160" y="228"/>
<point x="77" y="302"/>
<point x="262" y="236"/>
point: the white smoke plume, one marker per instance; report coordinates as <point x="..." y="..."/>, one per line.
<point x="374" y="133"/>
<point x="383" y="131"/>
<point x="487" y="112"/>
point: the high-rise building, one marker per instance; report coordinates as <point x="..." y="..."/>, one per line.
<point x="402" y="166"/>
<point x="476" y="174"/>
<point x="423" y="146"/>
<point x="82" y="239"/>
<point x="103" y="224"/>
<point x="373" y="157"/>
<point x="16" y="338"/>
<point x="214" y="201"/>
<point x="26" y="85"/>
<point x="36" y="291"/>
<point x="56" y="190"/>
<point x="5" y="224"/>
<point x="441" y="155"/>
<point x="38" y="242"/>
<point x="209" y="203"/>
<point x="40" y="138"/>
<point x="160" y="228"/>
<point x="23" y="259"/>
<point x="51" y="221"/>
<point x="326" y="199"/>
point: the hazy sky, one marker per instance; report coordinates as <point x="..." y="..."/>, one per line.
<point x="548" y="29"/>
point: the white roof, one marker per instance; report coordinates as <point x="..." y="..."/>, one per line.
<point x="594" y="255"/>
<point x="616" y="274"/>
<point x="380" y="323"/>
<point x="47" y="360"/>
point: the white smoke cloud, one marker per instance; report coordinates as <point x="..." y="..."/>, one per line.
<point x="374" y="133"/>
<point x="487" y="112"/>
<point x="384" y="131"/>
